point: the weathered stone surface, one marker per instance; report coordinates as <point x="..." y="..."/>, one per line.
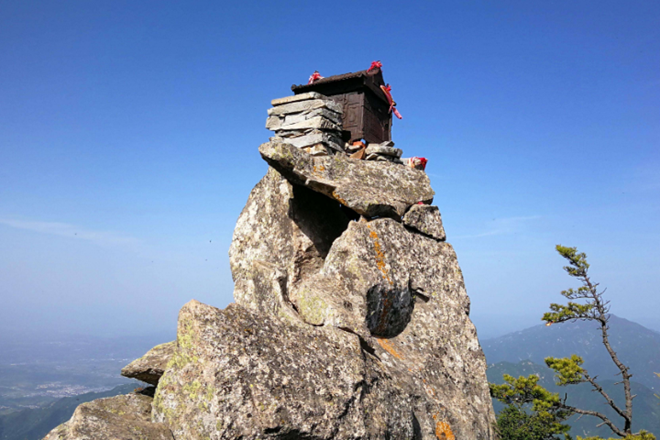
<point x="427" y="220"/>
<point x="274" y="123"/>
<point x="315" y="123"/>
<point x="369" y="188"/>
<point x="282" y="235"/>
<point x="404" y="293"/>
<point x="296" y="98"/>
<point x="325" y="113"/>
<point x="387" y="151"/>
<point x="303" y="106"/>
<point x="125" y="417"/>
<point x="415" y="371"/>
<point x="312" y="138"/>
<point x="150" y="367"/>
<point x="240" y="374"/>
<point x="315" y="119"/>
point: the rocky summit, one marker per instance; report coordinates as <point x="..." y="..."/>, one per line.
<point x="350" y="321"/>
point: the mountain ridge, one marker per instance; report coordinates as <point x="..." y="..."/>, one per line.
<point x="637" y="346"/>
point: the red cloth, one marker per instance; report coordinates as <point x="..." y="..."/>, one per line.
<point x="419" y="163"/>
<point x="316" y="75"/>
<point x="374" y="65"/>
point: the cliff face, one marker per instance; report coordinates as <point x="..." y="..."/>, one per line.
<point x="350" y="322"/>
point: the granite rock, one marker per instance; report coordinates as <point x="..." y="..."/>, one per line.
<point x="150" y="367"/>
<point x="425" y="219"/>
<point x="113" y="418"/>
<point x="368" y="188"/>
<point x="408" y="291"/>
<point x="282" y="236"/>
<point x="399" y="291"/>
<point x="391" y="352"/>
<point x="242" y="374"/>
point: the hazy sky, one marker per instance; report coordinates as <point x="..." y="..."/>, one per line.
<point x="129" y="134"/>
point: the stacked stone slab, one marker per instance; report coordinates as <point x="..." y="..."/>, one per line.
<point x="384" y="152"/>
<point x="309" y="121"/>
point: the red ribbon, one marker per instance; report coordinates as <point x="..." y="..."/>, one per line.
<point x="387" y="90"/>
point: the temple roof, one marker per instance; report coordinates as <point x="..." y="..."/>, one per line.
<point x="344" y="83"/>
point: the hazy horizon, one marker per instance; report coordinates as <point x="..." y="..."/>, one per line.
<point x="129" y="135"/>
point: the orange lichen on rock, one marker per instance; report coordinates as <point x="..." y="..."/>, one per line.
<point x="318" y="168"/>
<point x="388" y="347"/>
<point x="380" y="256"/>
<point x="443" y="430"/>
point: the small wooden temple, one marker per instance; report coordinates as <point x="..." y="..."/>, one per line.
<point x="366" y="112"/>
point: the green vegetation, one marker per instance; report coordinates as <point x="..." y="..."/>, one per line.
<point x="515" y="422"/>
<point x="534" y="413"/>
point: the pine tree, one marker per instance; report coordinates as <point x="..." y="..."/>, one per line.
<point x="586" y="303"/>
<point x="592" y="307"/>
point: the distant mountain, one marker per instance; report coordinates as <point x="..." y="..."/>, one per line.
<point x="646" y="406"/>
<point x="34" y="424"/>
<point x="637" y="347"/>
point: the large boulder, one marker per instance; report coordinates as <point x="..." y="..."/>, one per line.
<point x="372" y="189"/>
<point x="240" y="374"/>
<point x="126" y="417"/>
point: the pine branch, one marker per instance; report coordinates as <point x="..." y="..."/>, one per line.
<point x="601" y="416"/>
<point x="600" y="389"/>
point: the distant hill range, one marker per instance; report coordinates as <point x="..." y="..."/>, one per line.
<point x="637" y="347"/>
<point x="44" y="377"/>
<point x="34" y="424"/>
<point x="38" y="369"/>
<point x="522" y="353"/>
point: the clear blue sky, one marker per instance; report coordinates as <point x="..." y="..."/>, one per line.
<point x="129" y="134"/>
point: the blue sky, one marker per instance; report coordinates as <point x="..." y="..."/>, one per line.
<point x="129" y="135"/>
